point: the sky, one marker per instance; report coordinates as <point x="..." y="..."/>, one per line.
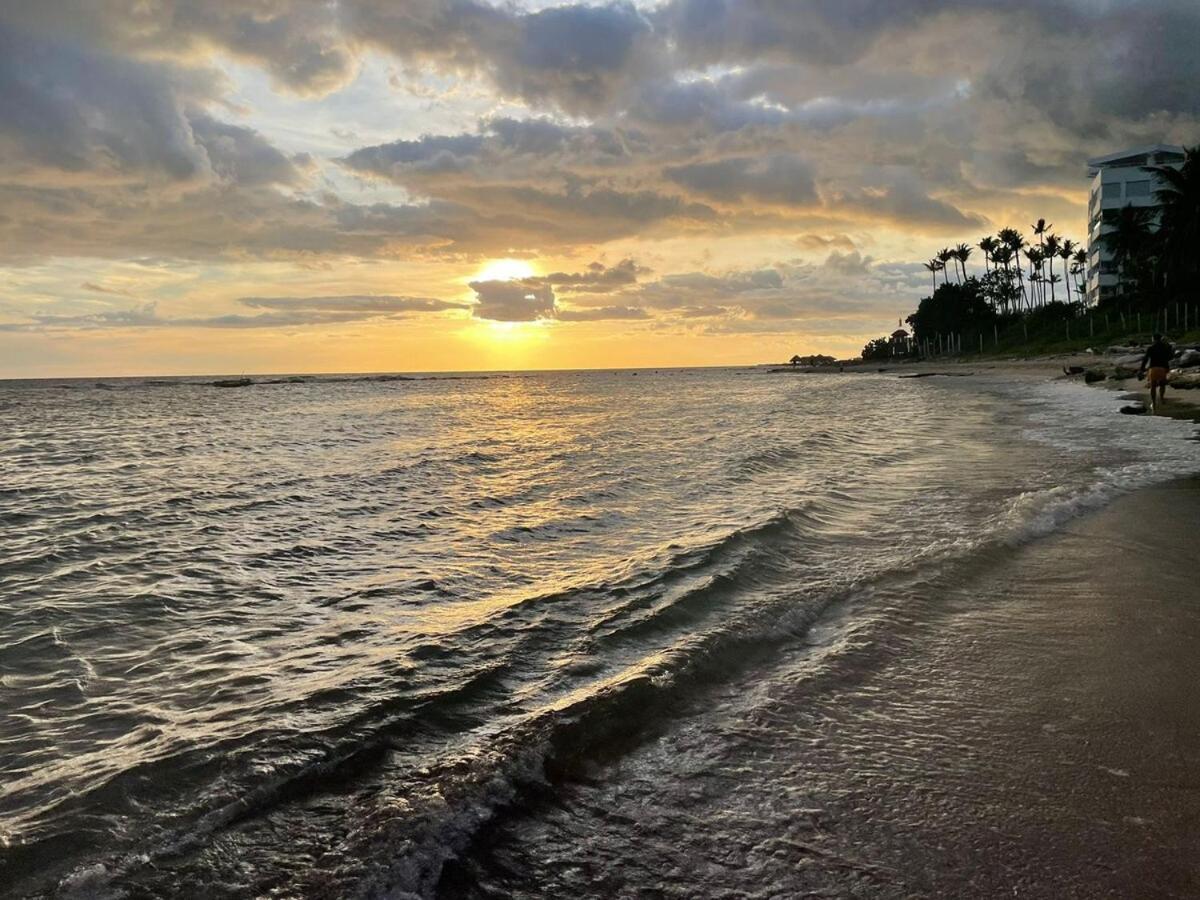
<point x="252" y="186"/>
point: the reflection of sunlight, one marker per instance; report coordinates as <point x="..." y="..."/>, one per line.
<point x="504" y="270"/>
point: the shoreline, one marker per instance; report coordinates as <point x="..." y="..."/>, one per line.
<point x="1029" y="732"/>
<point x="1182" y="402"/>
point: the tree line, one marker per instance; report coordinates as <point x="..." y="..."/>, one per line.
<point x="1154" y="250"/>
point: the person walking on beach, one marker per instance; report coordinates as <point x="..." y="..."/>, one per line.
<point x="1158" y="358"/>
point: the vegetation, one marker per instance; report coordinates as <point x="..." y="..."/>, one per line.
<point x="1033" y="290"/>
<point x="815" y="360"/>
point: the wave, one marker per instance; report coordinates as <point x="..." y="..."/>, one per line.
<point x="598" y="704"/>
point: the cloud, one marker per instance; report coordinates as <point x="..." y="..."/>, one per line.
<point x="281" y="312"/>
<point x="142" y="316"/>
<point x="778" y="179"/>
<point x="904" y="203"/>
<point x="368" y="303"/>
<point x="514" y="301"/>
<point x="850" y="264"/>
<point x="818" y="242"/>
<point x="600" y="313"/>
<point x="65" y="109"/>
<point x="530" y="299"/>
<point x="577" y="57"/>
<point x="598" y="279"/>
<point x="242" y="156"/>
<point x="101" y="289"/>
<point x="303" y="45"/>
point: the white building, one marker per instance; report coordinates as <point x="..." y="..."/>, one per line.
<point x="1119" y="179"/>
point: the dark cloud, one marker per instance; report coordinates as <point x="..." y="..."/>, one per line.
<point x="73" y="110"/>
<point x="302" y="44"/>
<point x="242" y="156"/>
<point x="851" y="264"/>
<point x="514" y="301"/>
<point x="904" y="203"/>
<point x="775" y="179"/>
<point x="598" y="279"/>
<point x="707" y="32"/>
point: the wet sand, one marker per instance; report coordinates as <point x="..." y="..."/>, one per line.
<point x="1033" y="731"/>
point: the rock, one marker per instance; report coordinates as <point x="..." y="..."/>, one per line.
<point x="1120" y="373"/>
<point x="1133" y="409"/>
<point x="1092" y="375"/>
<point x="1188" y="357"/>
<point x="1072" y="370"/>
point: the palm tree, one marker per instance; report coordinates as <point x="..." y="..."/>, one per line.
<point x="1040" y="228"/>
<point x="962" y="253"/>
<point x="1002" y="257"/>
<point x="1015" y="242"/>
<point x="1050" y="248"/>
<point x="988" y="246"/>
<point x="1035" y="257"/>
<point x="1078" y="269"/>
<point x="1066" y="251"/>
<point x="1131" y="242"/>
<point x="1179" y="197"/>
<point x="1053" y="280"/>
<point x="933" y="267"/>
<point x="944" y="256"/>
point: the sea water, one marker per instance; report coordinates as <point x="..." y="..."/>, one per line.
<point x="309" y="637"/>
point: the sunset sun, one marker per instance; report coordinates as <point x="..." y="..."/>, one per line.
<point x="504" y="270"/>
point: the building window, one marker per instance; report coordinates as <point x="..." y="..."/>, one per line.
<point x="1137" y="188"/>
<point x="1112" y="190"/>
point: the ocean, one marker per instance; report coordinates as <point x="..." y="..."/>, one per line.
<point x="318" y="637"/>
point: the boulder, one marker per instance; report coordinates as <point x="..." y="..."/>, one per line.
<point x="1188" y="357"/>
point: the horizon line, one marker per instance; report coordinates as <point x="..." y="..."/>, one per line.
<point x="413" y="372"/>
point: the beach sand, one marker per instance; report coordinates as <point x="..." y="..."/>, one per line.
<point x="1032" y="732"/>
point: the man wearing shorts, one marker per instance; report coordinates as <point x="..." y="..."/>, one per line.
<point x="1156" y="366"/>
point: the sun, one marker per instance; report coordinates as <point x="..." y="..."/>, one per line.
<point x="504" y="270"/>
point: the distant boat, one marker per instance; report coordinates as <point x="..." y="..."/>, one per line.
<point x="233" y="382"/>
